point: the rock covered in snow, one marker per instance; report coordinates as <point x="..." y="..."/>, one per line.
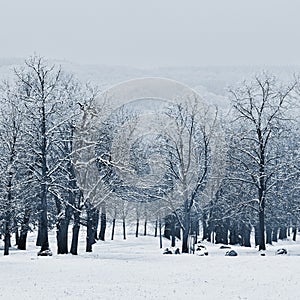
<point x="45" y="253"/>
<point x="231" y="253"/>
<point x="281" y="251"/>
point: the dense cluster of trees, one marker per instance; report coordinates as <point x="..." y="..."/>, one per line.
<point x="261" y="180"/>
<point x="65" y="163"/>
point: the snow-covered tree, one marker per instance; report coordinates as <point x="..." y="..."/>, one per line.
<point x="92" y="167"/>
<point x="11" y="168"/>
<point x="259" y="110"/>
<point x="44" y="90"/>
<point x="187" y="143"/>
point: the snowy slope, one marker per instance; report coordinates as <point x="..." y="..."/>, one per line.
<point x="137" y="269"/>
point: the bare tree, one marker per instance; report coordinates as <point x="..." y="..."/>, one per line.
<point x="259" y="109"/>
<point x="12" y="148"/>
<point x="92" y="168"/>
<point x="187" y="145"/>
<point x="43" y="90"/>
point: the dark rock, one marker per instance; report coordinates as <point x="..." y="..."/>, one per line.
<point x="45" y="253"/>
<point x="201" y="250"/>
<point x="231" y="253"/>
<point x="167" y="251"/>
<point x="281" y="251"/>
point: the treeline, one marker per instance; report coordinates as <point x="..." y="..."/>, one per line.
<point x="62" y="163"/>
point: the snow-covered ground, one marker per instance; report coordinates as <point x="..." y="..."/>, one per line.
<point x="137" y="269"/>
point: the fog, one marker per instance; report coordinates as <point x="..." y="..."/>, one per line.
<point x="153" y="33"/>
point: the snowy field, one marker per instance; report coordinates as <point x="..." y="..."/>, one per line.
<point x="136" y="269"/>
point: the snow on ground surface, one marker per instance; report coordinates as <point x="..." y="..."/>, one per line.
<point x="137" y="269"/>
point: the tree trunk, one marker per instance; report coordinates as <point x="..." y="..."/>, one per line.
<point x="145" y="227"/>
<point x="205" y="228"/>
<point x="8" y="209"/>
<point x="6" y="243"/>
<point x="102" y="222"/>
<point x="262" y="244"/>
<point x="210" y="231"/>
<point x="22" y="240"/>
<point x="90" y="239"/>
<point x="44" y="188"/>
<point x="177" y="230"/>
<point x="221" y="233"/>
<point x="6" y="237"/>
<point x="275" y="234"/>
<point x="173" y="241"/>
<point x="233" y="235"/>
<point x="167" y="230"/>
<point x="124" y="229"/>
<point x="44" y="223"/>
<point x="16" y="230"/>
<point x="185" y="237"/>
<point x="160" y="234"/>
<point x="62" y="236"/>
<point x="173" y="233"/>
<point x="96" y="237"/>
<point x="294" y="233"/>
<point x="75" y="233"/>
<point x="137" y="228"/>
<point x="194" y="226"/>
<point x="113" y="228"/>
<point x="24" y="229"/>
<point x="282" y="233"/>
<point x="246" y="235"/>
<point x="62" y="227"/>
<point x="38" y="239"/>
<point x="91" y="228"/>
<point x="155" y="228"/>
<point x="186" y="231"/>
<point x="269" y="235"/>
<point x="69" y="210"/>
<point x="173" y="230"/>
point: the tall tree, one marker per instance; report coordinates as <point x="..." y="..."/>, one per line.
<point x="43" y="90"/>
<point x="12" y="148"/>
<point x="259" y="110"/>
<point x="91" y="168"/>
<point x="187" y="143"/>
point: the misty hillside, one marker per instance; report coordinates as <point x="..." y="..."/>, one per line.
<point x="211" y="83"/>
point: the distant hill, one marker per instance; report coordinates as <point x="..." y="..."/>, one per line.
<point x="210" y="82"/>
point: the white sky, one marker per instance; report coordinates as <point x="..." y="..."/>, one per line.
<point x="153" y="32"/>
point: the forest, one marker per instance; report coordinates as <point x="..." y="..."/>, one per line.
<point x="71" y="160"/>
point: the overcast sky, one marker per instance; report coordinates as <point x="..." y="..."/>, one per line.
<point x="151" y="33"/>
